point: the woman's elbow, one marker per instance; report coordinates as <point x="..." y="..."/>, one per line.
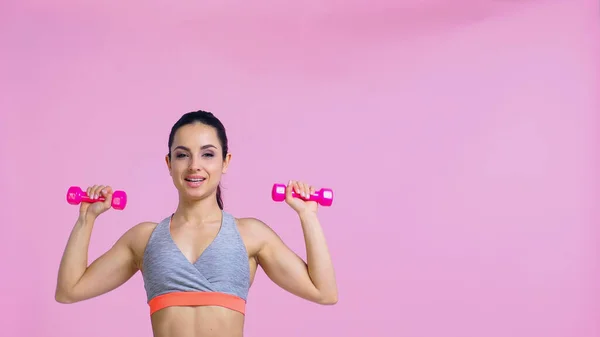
<point x="328" y="300"/>
<point x="63" y="297"/>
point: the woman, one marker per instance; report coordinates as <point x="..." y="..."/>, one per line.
<point x="198" y="263"/>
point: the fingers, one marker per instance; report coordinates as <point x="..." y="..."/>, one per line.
<point x="289" y="189"/>
<point x="96" y="191"/>
<point x="301" y="188"/>
<point x="89" y="192"/>
<point x="304" y="190"/>
<point x="107" y="193"/>
<point x="296" y="187"/>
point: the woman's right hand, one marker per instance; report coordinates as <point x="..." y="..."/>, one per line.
<point x="94" y="209"/>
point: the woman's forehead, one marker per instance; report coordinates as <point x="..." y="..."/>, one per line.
<point x="196" y="135"/>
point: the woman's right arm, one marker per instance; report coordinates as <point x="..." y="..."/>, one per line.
<point x="77" y="281"/>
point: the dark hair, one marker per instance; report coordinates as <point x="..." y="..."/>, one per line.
<point x="205" y="118"/>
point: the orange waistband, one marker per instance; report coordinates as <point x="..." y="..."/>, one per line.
<point x="197" y="299"/>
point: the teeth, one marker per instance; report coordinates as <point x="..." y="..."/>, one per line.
<point x="195" y="180"/>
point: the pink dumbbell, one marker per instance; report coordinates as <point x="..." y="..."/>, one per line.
<point x="76" y="195"/>
<point x="323" y="196"/>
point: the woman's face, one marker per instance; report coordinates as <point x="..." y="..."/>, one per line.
<point x="196" y="162"/>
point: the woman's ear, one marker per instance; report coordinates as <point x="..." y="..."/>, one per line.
<point x="168" y="161"/>
<point x="226" y="163"/>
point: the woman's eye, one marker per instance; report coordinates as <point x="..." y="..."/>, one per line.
<point x="209" y="155"/>
<point x="181" y="155"/>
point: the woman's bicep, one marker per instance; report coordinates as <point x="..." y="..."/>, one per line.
<point x="107" y="272"/>
<point x="284" y="267"/>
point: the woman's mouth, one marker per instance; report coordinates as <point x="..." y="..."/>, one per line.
<point x="194" y="181"/>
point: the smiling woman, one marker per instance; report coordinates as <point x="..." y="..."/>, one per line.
<point x="199" y="262"/>
<point x="206" y="132"/>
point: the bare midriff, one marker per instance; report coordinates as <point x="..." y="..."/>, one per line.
<point x="197" y="321"/>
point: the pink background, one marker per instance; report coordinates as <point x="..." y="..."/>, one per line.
<point x="460" y="138"/>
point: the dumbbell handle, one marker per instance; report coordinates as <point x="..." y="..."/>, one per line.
<point x="75" y="196"/>
<point x="311" y="197"/>
<point x="85" y="198"/>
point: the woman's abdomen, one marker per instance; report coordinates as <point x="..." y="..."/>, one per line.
<point x="205" y="321"/>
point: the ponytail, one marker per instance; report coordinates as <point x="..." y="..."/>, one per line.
<point x="219" y="199"/>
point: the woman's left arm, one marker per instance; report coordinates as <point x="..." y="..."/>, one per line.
<point x="313" y="280"/>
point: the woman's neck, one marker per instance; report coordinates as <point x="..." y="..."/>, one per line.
<point x="198" y="211"/>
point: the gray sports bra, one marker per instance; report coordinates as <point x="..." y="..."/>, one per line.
<point x="220" y="276"/>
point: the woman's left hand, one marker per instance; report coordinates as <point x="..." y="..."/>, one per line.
<point x="299" y="205"/>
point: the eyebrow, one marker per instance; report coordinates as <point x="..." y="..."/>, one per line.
<point x="204" y="147"/>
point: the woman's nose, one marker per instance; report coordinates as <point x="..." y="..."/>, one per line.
<point x="194" y="164"/>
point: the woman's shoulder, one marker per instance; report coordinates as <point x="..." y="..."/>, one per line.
<point x="255" y="228"/>
<point x="250" y="223"/>
<point x="138" y="236"/>
<point x="144" y="229"/>
<point x="254" y="233"/>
